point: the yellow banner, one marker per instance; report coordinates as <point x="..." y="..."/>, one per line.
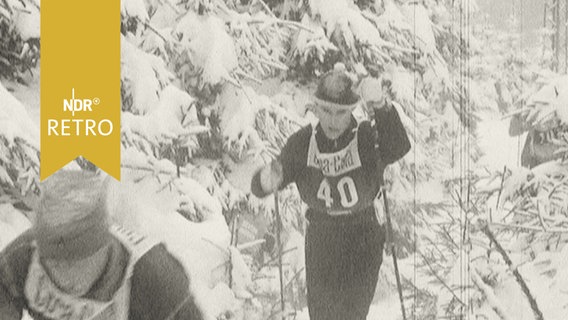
<point x="80" y="84"/>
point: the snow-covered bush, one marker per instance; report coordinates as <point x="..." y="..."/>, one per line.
<point x="19" y="37"/>
<point x="212" y="89"/>
<point x="19" y="146"/>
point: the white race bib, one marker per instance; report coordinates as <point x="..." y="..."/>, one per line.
<point x="336" y="163"/>
<point x="45" y="298"/>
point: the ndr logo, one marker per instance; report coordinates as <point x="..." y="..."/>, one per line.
<point x="79" y="105"/>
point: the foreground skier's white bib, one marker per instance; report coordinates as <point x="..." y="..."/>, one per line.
<point x="45" y="298"/>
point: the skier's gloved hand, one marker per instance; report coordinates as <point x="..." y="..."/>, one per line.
<point x="376" y="93"/>
<point x="271" y="176"/>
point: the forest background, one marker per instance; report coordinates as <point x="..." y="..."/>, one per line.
<point x="211" y="89"/>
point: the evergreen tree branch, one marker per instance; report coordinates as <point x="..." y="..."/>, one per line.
<point x="489" y="295"/>
<point x="147" y="25"/>
<point x="439" y="278"/>
<point x="266" y="8"/>
<point x="286" y="23"/>
<point x="7" y="6"/>
<point x="528" y="228"/>
<point x="518" y="277"/>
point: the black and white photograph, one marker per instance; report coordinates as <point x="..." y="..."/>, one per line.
<point x="299" y="160"/>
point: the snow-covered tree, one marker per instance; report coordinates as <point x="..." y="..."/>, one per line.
<point x="211" y="90"/>
<point x="19" y="137"/>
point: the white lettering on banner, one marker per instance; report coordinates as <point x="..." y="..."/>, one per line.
<point x="337" y="163"/>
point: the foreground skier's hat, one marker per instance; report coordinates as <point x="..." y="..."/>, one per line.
<point x="335" y="89"/>
<point x="72" y="219"/>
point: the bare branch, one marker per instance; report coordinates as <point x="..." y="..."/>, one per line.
<point x="501" y="188"/>
<point x="518" y="277"/>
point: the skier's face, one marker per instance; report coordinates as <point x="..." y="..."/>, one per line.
<point x="334" y="120"/>
<point x="77" y="276"/>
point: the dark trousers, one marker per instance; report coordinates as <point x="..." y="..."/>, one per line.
<point x="342" y="268"/>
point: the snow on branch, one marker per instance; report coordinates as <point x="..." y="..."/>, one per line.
<point x="208" y="46"/>
<point x="217" y="44"/>
<point x="19" y="146"/>
<point x="23" y="15"/>
<point x="19" y="38"/>
<point x="532" y="301"/>
<point x="134" y="9"/>
<point x="489" y="294"/>
<point x="251" y="123"/>
<point x="539" y="197"/>
<point x="546" y="109"/>
<point x="143" y="76"/>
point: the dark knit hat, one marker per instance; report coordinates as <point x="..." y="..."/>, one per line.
<point x="72" y="217"/>
<point x="335" y="88"/>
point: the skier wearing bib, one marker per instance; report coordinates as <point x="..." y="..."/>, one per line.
<point x="337" y="165"/>
<point x="72" y="265"/>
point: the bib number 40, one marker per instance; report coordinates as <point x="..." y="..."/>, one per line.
<point x="347" y="192"/>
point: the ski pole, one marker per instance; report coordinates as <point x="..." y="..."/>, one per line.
<point x="391" y="244"/>
<point x="279" y="240"/>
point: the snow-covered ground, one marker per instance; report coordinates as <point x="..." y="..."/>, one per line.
<point x="498" y="147"/>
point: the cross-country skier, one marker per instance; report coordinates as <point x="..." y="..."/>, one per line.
<point x="338" y="167"/>
<point x="72" y="265"/>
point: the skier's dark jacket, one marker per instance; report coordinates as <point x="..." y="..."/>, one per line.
<point x="388" y="144"/>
